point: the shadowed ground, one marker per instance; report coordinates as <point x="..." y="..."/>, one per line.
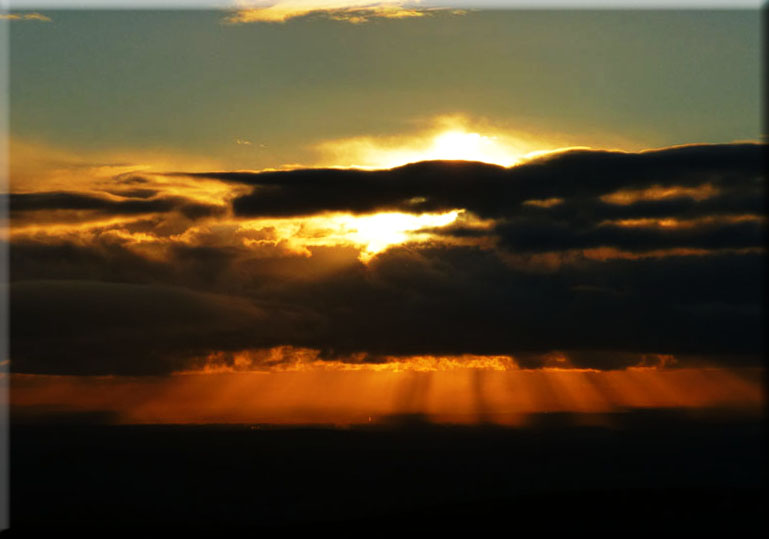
<point x="638" y="471"/>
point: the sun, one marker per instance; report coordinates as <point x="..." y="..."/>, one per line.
<point x="468" y="146"/>
<point x="451" y="145"/>
<point x="451" y="138"/>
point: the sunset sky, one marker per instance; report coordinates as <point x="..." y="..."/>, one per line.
<point x="333" y="211"/>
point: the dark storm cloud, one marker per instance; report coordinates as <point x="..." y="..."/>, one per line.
<point x="465" y="300"/>
<point x="409" y="300"/>
<point x="21" y="203"/>
<point x="580" y="210"/>
<point x="65" y="327"/>
<point x="549" y="236"/>
<point x="103" y="261"/>
<point x="578" y="179"/>
<point x="108" y="260"/>
<point x="136" y="193"/>
<point x="100" y="306"/>
<point x="497" y="192"/>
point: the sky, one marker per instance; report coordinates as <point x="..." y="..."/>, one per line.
<point x="190" y="82"/>
<point x="287" y="203"/>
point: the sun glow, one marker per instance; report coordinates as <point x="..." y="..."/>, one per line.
<point x="379" y="231"/>
<point x="447" y="392"/>
<point x="466" y="146"/>
<point x="451" y="137"/>
<point x="453" y="145"/>
<point x="370" y="234"/>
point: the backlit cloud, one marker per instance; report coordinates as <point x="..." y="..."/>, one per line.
<point x="451" y="136"/>
<point x="353" y="11"/>
<point x="576" y="259"/>
<point x="25" y="17"/>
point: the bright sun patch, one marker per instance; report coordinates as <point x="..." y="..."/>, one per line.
<point x="382" y="230"/>
<point x="452" y="145"/>
<point x="448" y="138"/>
<point x="371" y="234"/>
<point x="466" y="146"/>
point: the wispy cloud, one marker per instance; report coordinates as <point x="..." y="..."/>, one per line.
<point x="25" y="17"/>
<point x="353" y="11"/>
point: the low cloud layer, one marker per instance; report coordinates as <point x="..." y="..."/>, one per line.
<point x="492" y="191"/>
<point x="133" y="202"/>
<point x="603" y="259"/>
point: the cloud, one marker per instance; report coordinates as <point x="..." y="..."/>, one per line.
<point x="149" y="294"/>
<point x="716" y="202"/>
<point x="353" y="11"/>
<point x="36" y="167"/>
<point x="545" y="236"/>
<point x="126" y="204"/>
<point x="25" y="17"/>
<point x="91" y="327"/>
<point x="411" y="300"/>
<point x="495" y="191"/>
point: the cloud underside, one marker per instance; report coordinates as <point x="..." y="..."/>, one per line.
<point x="146" y="295"/>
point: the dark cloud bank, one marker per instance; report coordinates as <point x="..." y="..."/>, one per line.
<point x="492" y="191"/>
<point x="24" y="206"/>
<point x="101" y="308"/>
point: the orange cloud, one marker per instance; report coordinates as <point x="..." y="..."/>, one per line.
<point x="658" y="192"/>
<point x="25" y="17"/>
<point x="672" y="222"/>
<point x="352" y="11"/>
